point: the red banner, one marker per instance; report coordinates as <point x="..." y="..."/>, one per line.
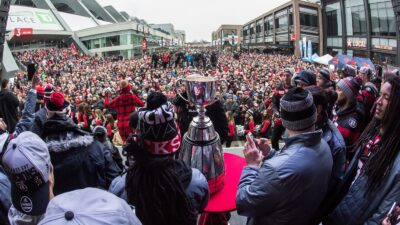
<point x="293" y="37"/>
<point x="144" y="44"/>
<point x="19" y="32"/>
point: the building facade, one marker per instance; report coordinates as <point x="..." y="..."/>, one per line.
<point x="363" y="28"/>
<point x="94" y="29"/>
<point x="282" y="28"/>
<point x="227" y="36"/>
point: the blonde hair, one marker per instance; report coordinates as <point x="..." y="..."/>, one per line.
<point x="124" y="83"/>
<point x="229" y="117"/>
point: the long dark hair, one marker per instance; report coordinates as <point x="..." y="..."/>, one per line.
<point x="154" y="187"/>
<point x="381" y="162"/>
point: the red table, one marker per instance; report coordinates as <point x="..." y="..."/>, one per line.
<point x="225" y="200"/>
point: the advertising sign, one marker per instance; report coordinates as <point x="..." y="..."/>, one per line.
<point x="19" y="32"/>
<point x="33" y="18"/>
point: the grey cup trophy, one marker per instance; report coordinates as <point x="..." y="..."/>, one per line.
<point x="201" y="147"/>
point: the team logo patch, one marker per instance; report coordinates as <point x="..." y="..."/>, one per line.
<point x="26" y="204"/>
<point x="352" y="123"/>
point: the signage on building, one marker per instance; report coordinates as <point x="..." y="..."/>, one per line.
<point x="34" y="18"/>
<point x="19" y="32"/>
<point x="357" y="43"/>
<point x="293" y="37"/>
<point x="383" y="47"/>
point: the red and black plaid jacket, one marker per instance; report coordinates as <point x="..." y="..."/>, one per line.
<point x="124" y="104"/>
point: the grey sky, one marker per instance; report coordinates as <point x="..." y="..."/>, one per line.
<point x="197" y="17"/>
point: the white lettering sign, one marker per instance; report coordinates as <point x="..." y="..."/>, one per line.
<point x="356" y="43"/>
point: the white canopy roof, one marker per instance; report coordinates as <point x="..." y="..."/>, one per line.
<point x="323" y="59"/>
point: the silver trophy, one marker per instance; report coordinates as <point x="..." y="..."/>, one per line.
<point x="201" y="146"/>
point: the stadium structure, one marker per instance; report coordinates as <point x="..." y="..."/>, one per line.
<point x="85" y="24"/>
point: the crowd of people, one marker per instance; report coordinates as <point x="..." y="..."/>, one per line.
<point x="59" y="130"/>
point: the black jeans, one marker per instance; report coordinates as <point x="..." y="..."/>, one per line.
<point x="229" y="141"/>
<point x="277" y="132"/>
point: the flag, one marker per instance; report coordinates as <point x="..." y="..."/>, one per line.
<point x="301" y="49"/>
<point x="72" y="46"/>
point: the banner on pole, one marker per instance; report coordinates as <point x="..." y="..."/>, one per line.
<point x="301" y="49"/>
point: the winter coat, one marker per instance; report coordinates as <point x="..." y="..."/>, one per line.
<point x="9" y="109"/>
<point x="336" y="143"/>
<point x="5" y="196"/>
<point x="125" y="104"/>
<point x="233" y="107"/>
<point x="348" y="123"/>
<point x="78" y="159"/>
<point x="289" y="185"/>
<point x="197" y="190"/>
<point x="338" y="150"/>
<point x="24" y="123"/>
<point x="18" y="218"/>
<point x="358" y="208"/>
<point x="38" y="122"/>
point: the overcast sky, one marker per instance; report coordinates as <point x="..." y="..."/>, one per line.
<point x="197" y="17"/>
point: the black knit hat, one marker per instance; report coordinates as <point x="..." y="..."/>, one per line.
<point x="349" y="71"/>
<point x="324" y="74"/>
<point x="298" y="111"/>
<point x="307" y="77"/>
<point x="157" y="126"/>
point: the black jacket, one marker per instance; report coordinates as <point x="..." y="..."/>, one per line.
<point x="215" y="111"/>
<point x="9" y="109"/>
<point x="79" y="161"/>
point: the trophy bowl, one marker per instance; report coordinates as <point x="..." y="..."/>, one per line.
<point x="200" y="89"/>
<point x="201" y="146"/>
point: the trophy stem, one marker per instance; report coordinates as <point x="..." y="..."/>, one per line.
<point x="201" y="110"/>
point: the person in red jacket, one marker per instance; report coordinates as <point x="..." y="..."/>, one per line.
<point x="231" y="126"/>
<point x="265" y="131"/>
<point x="249" y="122"/>
<point x="124" y="104"/>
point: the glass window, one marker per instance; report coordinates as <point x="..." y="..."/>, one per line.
<point x="334" y="19"/>
<point x="123" y="39"/>
<point x="308" y="20"/>
<point x="382" y="18"/>
<point x="96" y="43"/>
<point x="356" y="23"/>
<point x="281" y="22"/>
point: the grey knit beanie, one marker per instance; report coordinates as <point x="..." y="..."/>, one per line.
<point x="350" y="87"/>
<point x="298" y="111"/>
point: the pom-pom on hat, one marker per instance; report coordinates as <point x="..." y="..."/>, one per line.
<point x="56" y="105"/>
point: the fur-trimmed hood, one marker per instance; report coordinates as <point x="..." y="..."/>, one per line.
<point x="67" y="141"/>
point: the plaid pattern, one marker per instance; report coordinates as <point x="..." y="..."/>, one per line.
<point x="124" y="104"/>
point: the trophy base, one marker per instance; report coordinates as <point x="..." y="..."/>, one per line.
<point x="208" y="158"/>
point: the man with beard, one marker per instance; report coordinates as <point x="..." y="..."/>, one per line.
<point x="345" y="114"/>
<point x="376" y="165"/>
<point x="278" y="93"/>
